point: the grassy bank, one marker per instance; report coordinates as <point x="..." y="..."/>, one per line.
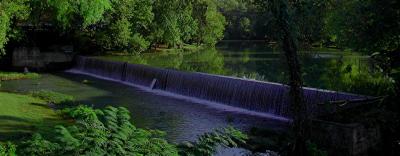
<point x="4" y="76"/>
<point x="21" y="115"/>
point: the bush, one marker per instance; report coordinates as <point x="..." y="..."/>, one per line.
<point x="54" y="97"/>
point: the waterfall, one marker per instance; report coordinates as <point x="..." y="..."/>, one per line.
<point x="252" y="95"/>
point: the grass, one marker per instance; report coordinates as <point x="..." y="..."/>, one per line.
<point x="53" y="97"/>
<point x="21" y="115"/>
<point x="4" y="76"/>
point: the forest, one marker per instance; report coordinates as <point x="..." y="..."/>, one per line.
<point x="184" y="52"/>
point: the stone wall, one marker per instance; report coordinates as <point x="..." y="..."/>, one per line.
<point x="345" y="139"/>
<point x="34" y="58"/>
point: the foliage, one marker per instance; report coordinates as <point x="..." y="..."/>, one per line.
<point x="68" y="11"/>
<point x="211" y="23"/>
<point x="165" y="26"/>
<point x="129" y="25"/>
<point x="8" y="149"/>
<point x="124" y="27"/>
<point x="360" y="24"/>
<point x="100" y="132"/>
<point x="9" y="10"/>
<point x="313" y="150"/>
<point x="4" y="76"/>
<point x="109" y="131"/>
<point x="208" y="142"/>
<point x="348" y="75"/>
<point x="53" y="97"/>
<point x="37" y="145"/>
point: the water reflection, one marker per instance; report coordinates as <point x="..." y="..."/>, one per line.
<point x="324" y="68"/>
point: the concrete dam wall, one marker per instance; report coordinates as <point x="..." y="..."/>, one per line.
<point x="259" y="96"/>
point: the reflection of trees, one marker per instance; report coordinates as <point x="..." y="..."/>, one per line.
<point x="207" y="60"/>
<point x="355" y="75"/>
<point x="136" y="59"/>
<point x="349" y="73"/>
<point x="171" y="60"/>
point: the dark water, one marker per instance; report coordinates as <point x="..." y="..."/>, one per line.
<point x="182" y="120"/>
<point x="322" y="68"/>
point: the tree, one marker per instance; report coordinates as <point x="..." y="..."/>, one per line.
<point x="122" y="25"/>
<point x="81" y="13"/>
<point x="188" y="26"/>
<point x="283" y="13"/>
<point x="211" y="22"/>
<point x="165" y="27"/>
<point x="371" y="27"/>
<point x="11" y="10"/>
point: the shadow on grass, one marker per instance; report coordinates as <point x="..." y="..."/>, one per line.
<point x="16" y="129"/>
<point x="5" y="118"/>
<point x="12" y="128"/>
<point x="41" y="105"/>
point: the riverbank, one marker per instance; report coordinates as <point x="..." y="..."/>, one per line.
<point x="5" y="76"/>
<point x="21" y="115"/>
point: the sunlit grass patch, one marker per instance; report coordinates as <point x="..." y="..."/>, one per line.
<point x="4" y="76"/>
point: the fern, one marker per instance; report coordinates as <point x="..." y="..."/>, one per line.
<point x="8" y="149"/>
<point x="110" y="132"/>
<point x="207" y="143"/>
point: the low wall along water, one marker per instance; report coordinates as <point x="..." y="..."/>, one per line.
<point x="252" y="95"/>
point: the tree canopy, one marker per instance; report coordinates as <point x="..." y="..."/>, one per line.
<point x="131" y="25"/>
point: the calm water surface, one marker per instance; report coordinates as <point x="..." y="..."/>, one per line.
<point x="322" y="68"/>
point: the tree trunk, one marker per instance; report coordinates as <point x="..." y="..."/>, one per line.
<point x="298" y="106"/>
<point x="299" y="109"/>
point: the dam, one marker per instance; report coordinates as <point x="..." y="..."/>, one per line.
<point x="257" y="96"/>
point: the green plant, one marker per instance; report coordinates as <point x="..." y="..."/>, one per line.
<point x="37" y="145"/>
<point x="7" y="149"/>
<point x="313" y="150"/>
<point x="207" y="143"/>
<point x="109" y="131"/>
<point x="99" y="132"/>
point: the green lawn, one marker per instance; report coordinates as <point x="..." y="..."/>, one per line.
<point x="15" y="76"/>
<point x="21" y="115"/>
